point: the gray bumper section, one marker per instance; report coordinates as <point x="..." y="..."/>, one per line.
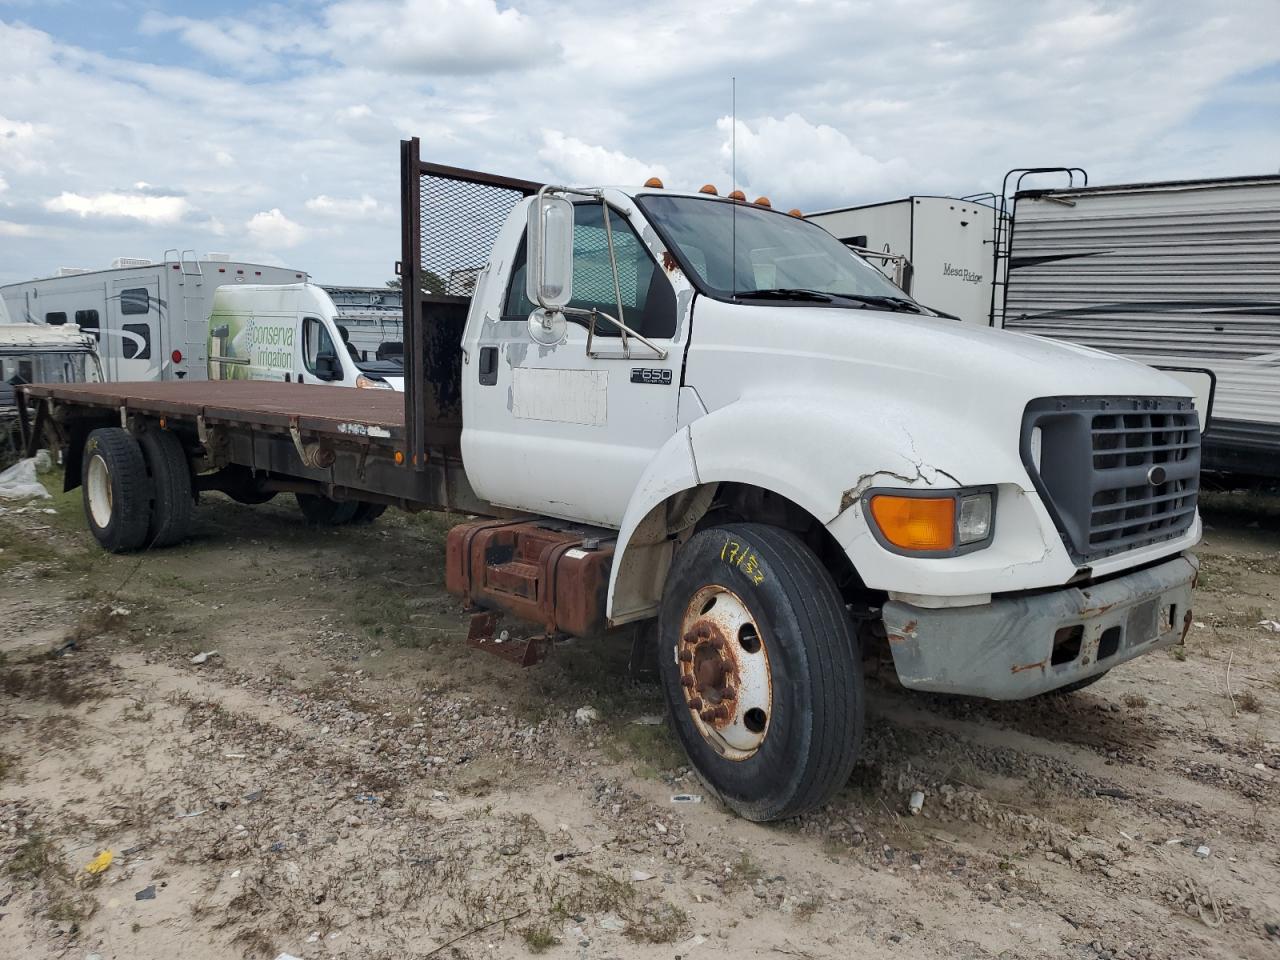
<point x="1016" y="647"/>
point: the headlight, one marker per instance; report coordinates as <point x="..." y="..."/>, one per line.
<point x="932" y="523"/>
<point x="368" y="383"/>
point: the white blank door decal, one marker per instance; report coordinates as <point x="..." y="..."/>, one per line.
<point x="564" y="396"/>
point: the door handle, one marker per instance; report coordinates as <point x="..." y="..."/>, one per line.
<point x="488" y="366"/>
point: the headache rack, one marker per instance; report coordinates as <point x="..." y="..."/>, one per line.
<point x="1116" y="473"/>
<point x="449" y="218"/>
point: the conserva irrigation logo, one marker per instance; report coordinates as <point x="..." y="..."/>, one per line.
<point x="968" y="276"/>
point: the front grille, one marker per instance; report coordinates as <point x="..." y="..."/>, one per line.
<point x="1116" y="473"/>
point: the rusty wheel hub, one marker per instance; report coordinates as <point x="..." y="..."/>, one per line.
<point x="724" y="672"/>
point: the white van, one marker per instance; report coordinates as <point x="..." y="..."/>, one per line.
<point x="288" y="332"/>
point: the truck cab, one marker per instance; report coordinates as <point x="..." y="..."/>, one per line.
<point x="747" y="403"/>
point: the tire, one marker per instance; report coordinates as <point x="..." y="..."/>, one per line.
<point x="368" y="512"/>
<point x="786" y="676"/>
<point x="117" y="489"/>
<point x="323" y="512"/>
<point x="1078" y="685"/>
<point x="173" y="504"/>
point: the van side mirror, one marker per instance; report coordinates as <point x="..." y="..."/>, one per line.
<point x="327" y="366"/>
<point x="549" y="274"/>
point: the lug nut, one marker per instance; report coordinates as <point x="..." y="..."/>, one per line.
<point x="717" y="642"/>
<point x="708" y="715"/>
<point x="687" y="681"/>
<point x="686" y="656"/>
<point x="722" y="712"/>
<point x="695" y="703"/>
<point x="728" y="693"/>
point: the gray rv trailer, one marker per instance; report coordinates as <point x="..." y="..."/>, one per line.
<point x="1182" y="274"/>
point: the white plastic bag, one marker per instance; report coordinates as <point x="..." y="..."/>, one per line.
<point x="19" y="482"/>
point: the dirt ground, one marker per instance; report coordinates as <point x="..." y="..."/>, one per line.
<point x="345" y="777"/>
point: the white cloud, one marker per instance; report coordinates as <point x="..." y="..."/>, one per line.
<point x="437" y="36"/>
<point x="4" y="184"/>
<point x="943" y="97"/>
<point x="583" y="164"/>
<point x="797" y="161"/>
<point x="271" y="228"/>
<point x="343" y="208"/>
<point x="138" y="206"/>
<point x="10" y="229"/>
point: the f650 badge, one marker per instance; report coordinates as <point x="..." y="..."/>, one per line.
<point x="650" y="375"/>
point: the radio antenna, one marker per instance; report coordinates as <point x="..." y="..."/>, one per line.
<point x="733" y="175"/>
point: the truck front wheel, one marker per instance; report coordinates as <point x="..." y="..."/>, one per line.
<point x="117" y="489"/>
<point x="761" y="670"/>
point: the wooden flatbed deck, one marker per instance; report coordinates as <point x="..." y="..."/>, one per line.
<point x="338" y="411"/>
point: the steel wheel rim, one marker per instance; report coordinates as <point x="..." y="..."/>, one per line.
<point x="723" y="659"/>
<point x="98" y="486"/>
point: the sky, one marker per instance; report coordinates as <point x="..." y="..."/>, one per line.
<point x="270" y="130"/>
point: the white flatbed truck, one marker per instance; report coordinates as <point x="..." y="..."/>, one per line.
<point x="708" y="417"/>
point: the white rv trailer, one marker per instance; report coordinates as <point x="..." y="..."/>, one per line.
<point x="946" y="243"/>
<point x="1181" y="274"/>
<point x="151" y="320"/>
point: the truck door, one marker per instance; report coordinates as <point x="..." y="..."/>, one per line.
<point x="130" y="340"/>
<point x="556" y="430"/>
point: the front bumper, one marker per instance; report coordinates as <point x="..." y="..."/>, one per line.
<point x="1017" y="647"/>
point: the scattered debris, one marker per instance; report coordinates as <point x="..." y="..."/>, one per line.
<point x="686" y="798"/>
<point x="202" y="657"/>
<point x="916" y="804"/>
<point x="586" y="715"/>
<point x="1202" y="851"/>
<point x="99" y="863"/>
<point x="640" y="876"/>
<point x="146" y="893"/>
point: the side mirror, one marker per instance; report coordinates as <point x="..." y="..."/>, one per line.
<point x="549" y="275"/>
<point x="327" y="366"/>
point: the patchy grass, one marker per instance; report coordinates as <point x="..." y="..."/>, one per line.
<point x="1248" y="701"/>
<point x="648" y="918"/>
<point x="651" y="749"/>
<point x="37" y="858"/>
<point x="539" y="938"/>
<point x="1135" y="700"/>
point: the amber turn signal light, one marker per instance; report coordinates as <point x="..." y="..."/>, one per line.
<point x="916" y="523"/>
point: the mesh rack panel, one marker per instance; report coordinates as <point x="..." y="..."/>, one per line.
<point x="460" y="220"/>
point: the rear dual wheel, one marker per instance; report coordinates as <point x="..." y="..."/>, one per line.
<point x="761" y="670"/>
<point x="137" y="490"/>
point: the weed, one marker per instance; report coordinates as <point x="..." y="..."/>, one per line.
<point x="1178" y="653"/>
<point x="539" y="938"/>
<point x="1135" y="700"/>
<point x="8" y="766"/>
<point x="743" y="872"/>
<point x="659" y="922"/>
<point x="37" y="858"/>
<point x="1248" y="701"/>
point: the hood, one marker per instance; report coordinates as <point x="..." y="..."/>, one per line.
<point x="921" y="354"/>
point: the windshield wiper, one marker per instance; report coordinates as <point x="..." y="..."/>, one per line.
<point x="897" y="304"/>
<point x="785" y="293"/>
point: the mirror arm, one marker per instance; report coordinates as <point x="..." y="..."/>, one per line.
<point x="613" y="266"/>
<point x="593" y="313"/>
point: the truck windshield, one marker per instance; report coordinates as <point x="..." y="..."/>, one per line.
<point x="778" y="257"/>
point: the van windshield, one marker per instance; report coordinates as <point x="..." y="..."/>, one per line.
<point x="778" y="256"/>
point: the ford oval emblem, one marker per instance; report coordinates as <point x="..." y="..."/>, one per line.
<point x="1156" y="475"/>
